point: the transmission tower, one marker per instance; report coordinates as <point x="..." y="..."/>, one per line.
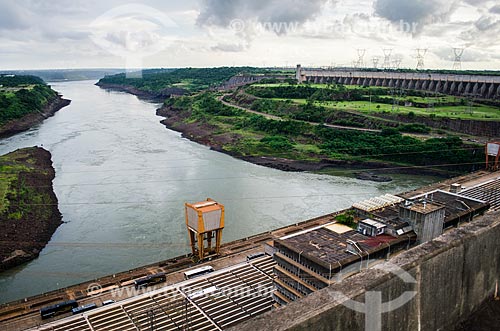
<point x="459" y="52"/>
<point x="396" y="64"/>
<point x="376" y="61"/>
<point x="387" y="58"/>
<point x="421" y="53"/>
<point x="361" y="58"/>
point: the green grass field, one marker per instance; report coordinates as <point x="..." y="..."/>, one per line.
<point x="441" y="103"/>
<point x="9" y="170"/>
<point x="477" y="112"/>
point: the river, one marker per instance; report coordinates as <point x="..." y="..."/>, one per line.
<point x="122" y="179"/>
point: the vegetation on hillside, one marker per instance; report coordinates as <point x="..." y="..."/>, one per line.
<point x="191" y="79"/>
<point x="371" y="100"/>
<point x="258" y="136"/>
<point x="22" y="95"/>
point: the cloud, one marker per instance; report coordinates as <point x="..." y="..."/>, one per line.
<point x="486" y="23"/>
<point x="229" y="48"/>
<point x="495" y="9"/>
<point x="12" y="17"/>
<point x="222" y="12"/>
<point x="484" y="33"/>
<point x="422" y="12"/>
<point x="469" y="55"/>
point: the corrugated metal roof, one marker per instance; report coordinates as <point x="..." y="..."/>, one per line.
<point x="373" y="223"/>
<point x="378" y="202"/>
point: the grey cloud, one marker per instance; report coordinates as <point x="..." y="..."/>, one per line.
<point x="12" y="17"/>
<point x="476" y="2"/>
<point x="469" y="55"/>
<point x="484" y="33"/>
<point x="222" y="12"/>
<point x="495" y="9"/>
<point x="229" y="48"/>
<point x="415" y="11"/>
<point x="486" y="23"/>
<point x="65" y="7"/>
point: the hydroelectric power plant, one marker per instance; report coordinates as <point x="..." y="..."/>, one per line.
<point x="234" y="287"/>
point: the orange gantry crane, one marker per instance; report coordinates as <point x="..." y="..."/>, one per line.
<point x="205" y="222"/>
<point x="492" y="150"/>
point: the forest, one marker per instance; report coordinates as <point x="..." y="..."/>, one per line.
<point x="191" y="79"/>
<point x="22" y="95"/>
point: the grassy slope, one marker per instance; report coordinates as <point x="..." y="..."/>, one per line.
<point x="479" y="112"/>
<point x="476" y="112"/>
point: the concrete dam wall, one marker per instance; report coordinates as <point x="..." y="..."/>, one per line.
<point x="484" y="87"/>
<point x="454" y="274"/>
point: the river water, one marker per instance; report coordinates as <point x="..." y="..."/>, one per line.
<point x="122" y="179"/>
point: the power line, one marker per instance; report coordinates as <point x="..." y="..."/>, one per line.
<point x="458" y="52"/>
<point x="152" y="202"/>
<point x="93" y="244"/>
<point x="336" y="150"/>
<point x="421" y="53"/>
<point x="236" y="177"/>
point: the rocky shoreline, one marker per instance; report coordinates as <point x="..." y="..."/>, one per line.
<point x="26" y="122"/>
<point x="155" y="97"/>
<point x="26" y="226"/>
<point x="203" y="134"/>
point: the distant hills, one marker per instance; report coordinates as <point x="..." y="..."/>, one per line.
<point x="56" y="75"/>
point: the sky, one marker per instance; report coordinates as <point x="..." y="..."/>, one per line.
<point x="48" y="34"/>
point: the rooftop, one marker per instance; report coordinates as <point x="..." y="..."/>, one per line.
<point x="378" y="202"/>
<point x="324" y="246"/>
<point x="489" y="191"/>
<point x="424" y="207"/>
<point x="373" y="223"/>
<point x="457" y="205"/>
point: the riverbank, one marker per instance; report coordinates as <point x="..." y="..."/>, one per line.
<point x="145" y="95"/>
<point x="206" y="134"/>
<point x="29" y="214"/>
<point x="26" y="122"/>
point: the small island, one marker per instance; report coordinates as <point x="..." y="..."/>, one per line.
<point x="24" y="102"/>
<point x="29" y="214"/>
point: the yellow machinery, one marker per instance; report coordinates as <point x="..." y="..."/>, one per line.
<point x="205" y="222"/>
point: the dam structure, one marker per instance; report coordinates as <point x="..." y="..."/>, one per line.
<point x="283" y="279"/>
<point x="472" y="86"/>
